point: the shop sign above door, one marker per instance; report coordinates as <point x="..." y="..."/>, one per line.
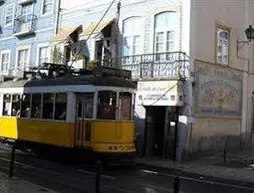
<point x="160" y="93"/>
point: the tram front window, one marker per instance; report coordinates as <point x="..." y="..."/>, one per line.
<point x="125" y="105"/>
<point x="106" y="105"/>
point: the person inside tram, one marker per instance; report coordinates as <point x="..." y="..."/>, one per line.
<point x="18" y="113"/>
<point x="106" y="111"/>
<point x="27" y="112"/>
<point x="37" y="112"/>
<point x="63" y="114"/>
<point x="47" y="113"/>
<point x="15" y="111"/>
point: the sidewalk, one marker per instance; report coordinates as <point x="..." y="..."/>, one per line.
<point x="237" y="167"/>
<point x="16" y="185"/>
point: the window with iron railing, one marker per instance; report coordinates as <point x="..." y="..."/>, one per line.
<point x="132" y="34"/>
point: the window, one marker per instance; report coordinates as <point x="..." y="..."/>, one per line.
<point x="15" y="105"/>
<point x="47" y="7"/>
<point x="36" y="106"/>
<point x="43" y="55"/>
<point x="60" y="106"/>
<point x="106" y="105"/>
<point x="166" y="26"/>
<point x="4" y="61"/>
<point x="125" y="106"/>
<point x="222" y="45"/>
<point x="23" y="58"/>
<point x="48" y="103"/>
<point x="85" y="106"/>
<point x="25" y="105"/>
<point x="27" y="9"/>
<point x="7" y="105"/>
<point x="132" y="30"/>
<point x="9" y="14"/>
<point x="88" y="106"/>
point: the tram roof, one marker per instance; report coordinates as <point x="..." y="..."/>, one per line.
<point x="88" y="78"/>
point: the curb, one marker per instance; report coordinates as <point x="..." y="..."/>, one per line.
<point x="216" y="179"/>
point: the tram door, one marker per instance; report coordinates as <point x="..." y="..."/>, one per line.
<point x="84" y="115"/>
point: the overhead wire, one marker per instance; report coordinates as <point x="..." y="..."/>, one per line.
<point x="77" y="54"/>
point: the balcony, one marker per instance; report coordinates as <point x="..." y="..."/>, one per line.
<point x="24" y="25"/>
<point x="24" y="2"/>
<point x="169" y="65"/>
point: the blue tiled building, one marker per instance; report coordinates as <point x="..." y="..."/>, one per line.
<point x="26" y="29"/>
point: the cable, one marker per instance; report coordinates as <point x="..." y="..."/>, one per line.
<point x="77" y="54"/>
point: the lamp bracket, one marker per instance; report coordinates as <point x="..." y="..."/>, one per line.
<point x="240" y="44"/>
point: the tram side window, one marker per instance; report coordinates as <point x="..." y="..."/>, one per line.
<point x="88" y="106"/>
<point x="106" y="105"/>
<point x="125" y="105"/>
<point x="48" y="102"/>
<point x="15" y="105"/>
<point x="25" y="105"/>
<point x="85" y="105"/>
<point x="36" y="106"/>
<point x="60" y="106"/>
<point x="7" y="105"/>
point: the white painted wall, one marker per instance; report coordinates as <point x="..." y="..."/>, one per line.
<point x="237" y="15"/>
<point x="205" y="15"/>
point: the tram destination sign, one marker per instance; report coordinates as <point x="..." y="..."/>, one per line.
<point x="160" y="93"/>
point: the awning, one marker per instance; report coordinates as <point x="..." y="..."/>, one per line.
<point x="65" y="32"/>
<point x="88" y="30"/>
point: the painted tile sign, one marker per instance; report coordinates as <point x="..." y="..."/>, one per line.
<point x="218" y="91"/>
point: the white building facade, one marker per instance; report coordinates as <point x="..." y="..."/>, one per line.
<point x="194" y="82"/>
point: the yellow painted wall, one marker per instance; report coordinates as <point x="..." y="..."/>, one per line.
<point x="113" y="132"/>
<point x="106" y="136"/>
<point x="40" y="131"/>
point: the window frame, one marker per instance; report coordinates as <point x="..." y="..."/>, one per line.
<point x="83" y="94"/>
<point x="42" y="7"/>
<point x="116" y="107"/>
<point x="54" y="107"/>
<point x="13" y="14"/>
<point x="120" y="106"/>
<point x="164" y="30"/>
<point x="30" y="105"/>
<point x="20" y="102"/>
<point x="26" y="47"/>
<point x="133" y="35"/>
<point x="8" y="62"/>
<point x="42" y="106"/>
<point x="3" y="103"/>
<point x="27" y="5"/>
<point x="39" y="46"/>
<point x="228" y="30"/>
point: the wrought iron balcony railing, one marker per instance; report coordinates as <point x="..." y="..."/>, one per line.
<point x="169" y="65"/>
<point x="24" y="25"/>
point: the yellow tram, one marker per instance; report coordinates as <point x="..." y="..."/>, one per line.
<point x="59" y="107"/>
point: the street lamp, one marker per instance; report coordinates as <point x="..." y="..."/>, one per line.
<point x="249" y="32"/>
